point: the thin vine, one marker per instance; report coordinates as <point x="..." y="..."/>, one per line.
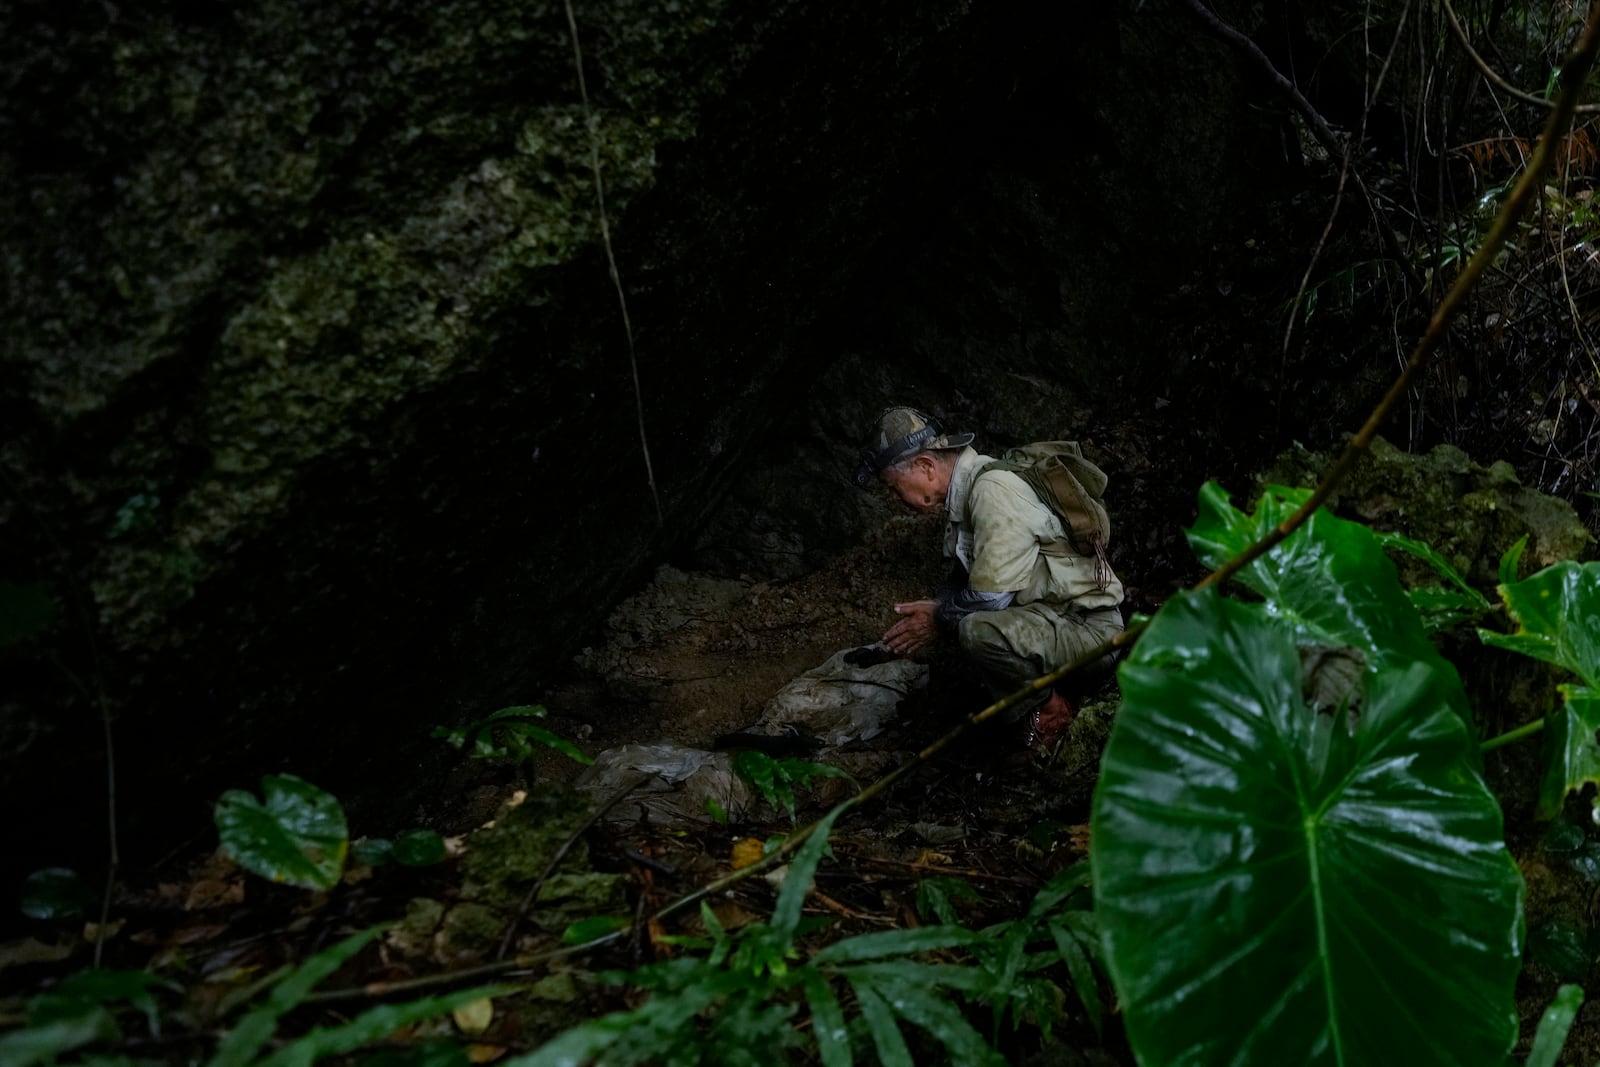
<point x="589" y="123"/>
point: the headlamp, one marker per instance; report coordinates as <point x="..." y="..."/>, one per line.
<point x="874" y="460"/>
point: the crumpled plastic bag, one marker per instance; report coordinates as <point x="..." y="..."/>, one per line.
<point x="851" y="697"/>
<point x="678" y="781"/>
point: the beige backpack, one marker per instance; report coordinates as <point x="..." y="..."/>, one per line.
<point x="1070" y="486"/>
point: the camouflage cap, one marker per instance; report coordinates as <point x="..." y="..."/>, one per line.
<point x="901" y="432"/>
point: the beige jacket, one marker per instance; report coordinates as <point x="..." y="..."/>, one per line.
<point x="1011" y="542"/>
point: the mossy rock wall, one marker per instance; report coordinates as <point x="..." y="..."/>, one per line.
<point x="321" y="425"/>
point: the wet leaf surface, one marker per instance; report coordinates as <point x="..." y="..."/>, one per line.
<point x="1351" y="885"/>
<point x="1557" y="612"/>
<point x="1563" y="946"/>
<point x="54" y="893"/>
<point x="419" y="848"/>
<point x="1330" y="581"/>
<point x="296" y="834"/>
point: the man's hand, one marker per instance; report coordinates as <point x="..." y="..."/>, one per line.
<point x="914" y="632"/>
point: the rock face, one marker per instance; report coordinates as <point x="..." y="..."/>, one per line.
<point x="320" y="423"/>
<point x="1469" y="513"/>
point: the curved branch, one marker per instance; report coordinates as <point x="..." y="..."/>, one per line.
<point x="1528" y="186"/>
<point x="1319" y="125"/>
<point x="555" y="861"/>
<point x="1495" y="79"/>
<point x="1319" y="129"/>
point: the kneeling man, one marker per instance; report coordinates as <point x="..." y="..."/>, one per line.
<point x="1021" y="600"/>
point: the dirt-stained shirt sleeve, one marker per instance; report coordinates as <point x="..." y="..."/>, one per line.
<point x="1008" y="525"/>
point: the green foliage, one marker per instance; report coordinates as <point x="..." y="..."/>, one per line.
<point x="1249" y="850"/>
<point x="1344" y="288"/>
<point x="44" y="1042"/>
<point x="1441" y="607"/>
<point x="414" y="848"/>
<point x="25" y="610"/>
<point x="1330" y="582"/>
<point x="88" y="991"/>
<point x="373" y="851"/>
<point x="297" y="834"/>
<point x="776" y="779"/>
<point x="936" y="898"/>
<point x="585" y="930"/>
<point x="77" y="1013"/>
<point x="54" y="893"/>
<point x="242" y="1045"/>
<point x="1553" y="1027"/>
<point x="1512" y="560"/>
<point x="419" y="848"/>
<point x="1271" y="876"/>
<point x="1555" y="611"/>
<point x="739" y="1003"/>
<point x="1563" y="947"/>
<point x="437" y="1052"/>
<point x="137" y="513"/>
<point x="510" y="733"/>
<point x="369" y="1026"/>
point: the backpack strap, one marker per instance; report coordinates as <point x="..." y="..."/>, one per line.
<point x="1070" y="486"/>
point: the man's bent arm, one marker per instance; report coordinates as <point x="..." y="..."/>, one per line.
<point x="957" y="604"/>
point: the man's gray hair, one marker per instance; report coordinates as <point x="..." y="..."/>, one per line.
<point x="940" y="455"/>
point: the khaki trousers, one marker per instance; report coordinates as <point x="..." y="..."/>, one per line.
<point x="1018" y="644"/>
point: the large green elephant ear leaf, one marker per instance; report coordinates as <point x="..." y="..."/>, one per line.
<point x="1280" y="885"/>
<point x="296" y="833"/>
<point x="1571" y="753"/>
<point x="1557" y="612"/>
<point x="1330" y="580"/>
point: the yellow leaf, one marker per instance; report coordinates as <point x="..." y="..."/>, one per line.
<point x="474" y="1018"/>
<point x="485" y="1053"/>
<point x="747" y="850"/>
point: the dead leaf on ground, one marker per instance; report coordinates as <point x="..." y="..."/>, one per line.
<point x="732" y="916"/>
<point x="474" y="1018"/>
<point x="656" y="931"/>
<point x="485" y="1053"/>
<point x="355" y="874"/>
<point x="31" y="950"/>
<point x="748" y="850"/>
<point x="213" y="893"/>
<point x="218" y="865"/>
<point x="188" y="935"/>
<point x="93" y="932"/>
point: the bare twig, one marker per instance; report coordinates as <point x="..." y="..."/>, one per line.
<point x="611" y="259"/>
<point x="1499" y="82"/>
<point x="1318" y="125"/>
<point x="1527" y="187"/>
<point x="1369" y="93"/>
<point x="555" y="861"/>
